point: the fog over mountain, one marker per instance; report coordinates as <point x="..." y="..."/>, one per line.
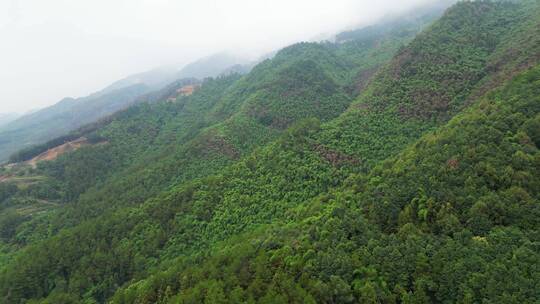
<point x="60" y="48"/>
<point x="270" y="152"/>
<point x="7" y="117"/>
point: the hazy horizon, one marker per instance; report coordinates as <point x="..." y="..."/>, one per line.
<point x="59" y="48"/>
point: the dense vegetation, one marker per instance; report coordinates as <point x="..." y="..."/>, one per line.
<point x="429" y="225"/>
<point x="216" y="126"/>
<point x="282" y="186"/>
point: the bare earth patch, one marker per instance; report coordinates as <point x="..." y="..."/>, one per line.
<point x="53" y="153"/>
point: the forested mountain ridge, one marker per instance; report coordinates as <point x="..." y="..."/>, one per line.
<point x="184" y="123"/>
<point x="395" y="200"/>
<point x="222" y="121"/>
<point x="436" y="76"/>
<point x="452" y="232"/>
<point x="240" y="272"/>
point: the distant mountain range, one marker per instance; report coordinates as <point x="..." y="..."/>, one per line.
<point x="210" y="66"/>
<point x="6" y="118"/>
<point x="19" y="132"/>
<point x="213" y="66"/>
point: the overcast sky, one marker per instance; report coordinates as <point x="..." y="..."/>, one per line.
<point x="50" y="49"/>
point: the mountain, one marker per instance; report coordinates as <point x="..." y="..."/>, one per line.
<point x="6" y="118"/>
<point x="222" y="121"/>
<point x="212" y="66"/>
<point x="66" y="115"/>
<point x="395" y="167"/>
<point x="155" y="79"/>
<point x="70" y="113"/>
<point x="421" y="227"/>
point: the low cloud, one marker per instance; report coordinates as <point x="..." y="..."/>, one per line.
<point x="56" y="48"/>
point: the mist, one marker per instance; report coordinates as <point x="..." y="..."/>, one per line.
<point x="57" y="48"/>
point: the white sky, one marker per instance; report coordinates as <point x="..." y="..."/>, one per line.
<point x="50" y="49"/>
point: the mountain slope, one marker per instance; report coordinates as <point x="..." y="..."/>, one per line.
<point x="265" y="267"/>
<point x="215" y="126"/>
<point x="287" y="221"/>
<point x="434" y="77"/>
<point x="241" y="267"/>
<point x="465" y="214"/>
<point x="306" y="80"/>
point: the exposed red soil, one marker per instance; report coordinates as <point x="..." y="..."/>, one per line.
<point x="187" y="90"/>
<point x="53" y="153"/>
